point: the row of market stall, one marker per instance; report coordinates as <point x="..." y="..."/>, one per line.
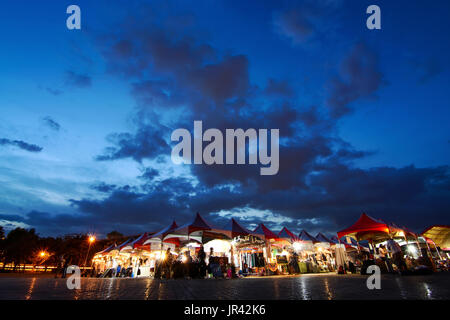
<point x="260" y="251"/>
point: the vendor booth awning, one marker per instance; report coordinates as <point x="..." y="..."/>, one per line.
<point x="440" y="234"/>
<point x="285" y="233"/>
<point x="305" y="236"/>
<point x="366" y="228"/>
<point x="262" y="231"/>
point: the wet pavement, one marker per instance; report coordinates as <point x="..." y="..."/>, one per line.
<point x="303" y="287"/>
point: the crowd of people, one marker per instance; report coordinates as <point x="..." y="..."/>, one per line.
<point x="193" y="267"/>
<point x="391" y="259"/>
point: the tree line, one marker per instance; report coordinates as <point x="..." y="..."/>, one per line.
<point x="22" y="247"/>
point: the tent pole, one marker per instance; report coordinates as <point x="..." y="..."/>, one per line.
<point x="373" y="248"/>
<point x="429" y="249"/>
<point x="341" y="255"/>
<point x="435" y="246"/>
<point x="418" y="245"/>
<point x="406" y="240"/>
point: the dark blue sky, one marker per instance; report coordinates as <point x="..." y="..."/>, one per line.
<point x="86" y="115"/>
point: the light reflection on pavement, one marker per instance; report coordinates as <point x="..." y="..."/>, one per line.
<point x="307" y="286"/>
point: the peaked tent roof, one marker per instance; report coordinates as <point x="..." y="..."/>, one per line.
<point x="209" y="231"/>
<point x="130" y="244"/>
<point x="334" y="240"/>
<point x="322" y="238"/>
<point x="199" y="224"/>
<point x="234" y="229"/>
<point x="261" y="229"/>
<point x="305" y="236"/>
<point x="122" y="245"/>
<point x="366" y="227"/>
<point x="162" y="233"/>
<point x="440" y="234"/>
<point x="285" y="233"/>
<point x="108" y="249"/>
<point x="139" y="242"/>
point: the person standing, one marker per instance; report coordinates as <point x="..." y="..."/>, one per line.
<point x="397" y="255"/>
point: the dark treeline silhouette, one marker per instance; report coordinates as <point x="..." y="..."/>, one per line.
<point x="24" y="246"/>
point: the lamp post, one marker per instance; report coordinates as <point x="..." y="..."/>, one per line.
<point x="91" y="240"/>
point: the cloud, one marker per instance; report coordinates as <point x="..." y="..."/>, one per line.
<point x="55" y="92"/>
<point x="427" y="69"/>
<point x="103" y="187"/>
<point x="279" y="88"/>
<point x="77" y="79"/>
<point x="359" y="78"/>
<point x="307" y="21"/>
<point x="149" y="174"/>
<point x="177" y="76"/>
<point x="20" y="144"/>
<point x="331" y="199"/>
<point x="52" y="124"/>
<point x="295" y="24"/>
<point x="146" y="142"/>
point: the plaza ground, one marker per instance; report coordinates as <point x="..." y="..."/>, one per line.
<point x="303" y="287"/>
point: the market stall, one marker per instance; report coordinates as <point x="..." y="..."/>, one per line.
<point x="288" y="241"/>
<point x="270" y="251"/>
<point x="111" y="259"/>
<point x="377" y="231"/>
<point x="440" y="237"/>
<point x="139" y="255"/>
<point x="325" y="253"/>
<point x="218" y="253"/>
<point x="242" y="242"/>
<point x="306" y="251"/>
<point x="102" y="260"/>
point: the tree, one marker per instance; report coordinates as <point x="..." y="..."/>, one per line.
<point x="2" y="244"/>
<point x="114" y="236"/>
<point x="20" y="245"/>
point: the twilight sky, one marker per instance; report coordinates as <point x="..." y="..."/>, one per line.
<point x="86" y="115"/>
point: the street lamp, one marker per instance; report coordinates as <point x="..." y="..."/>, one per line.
<point x="91" y="240"/>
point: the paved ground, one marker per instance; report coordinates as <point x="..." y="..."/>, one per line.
<point x="320" y="286"/>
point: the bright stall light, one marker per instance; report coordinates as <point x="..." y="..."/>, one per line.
<point x="412" y="249"/>
<point x="217" y="245"/>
